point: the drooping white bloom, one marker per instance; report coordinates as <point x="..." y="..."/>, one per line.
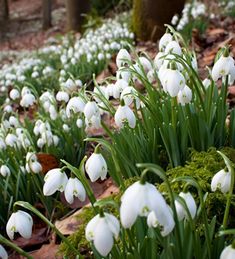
<point x="174" y="48"/>
<point x="221" y="181"/>
<point x="164" y="41"/>
<point x="139" y="200"/>
<point x="96" y="167"/>
<point x="32" y="164"/>
<point x="228" y="253"/>
<point x="5" y="171"/>
<point x="11" y="140"/>
<point x="145" y="63"/>
<point x="79" y="123"/>
<point x="124" y="114"/>
<point x="124" y="74"/>
<point x="20" y="222"/>
<point x="158" y="60"/>
<point x="165" y="222"/>
<point x="129" y="94"/>
<point x="62" y="96"/>
<point x="102" y="231"/>
<point x="224" y="66"/>
<point x="123" y="57"/>
<point x="27" y="100"/>
<point x="118" y="87"/>
<point x="91" y="109"/>
<point x="75" y="105"/>
<point x="55" y="180"/>
<point x="14" y="94"/>
<point x="191" y="204"/>
<point x="185" y="95"/>
<point x="206" y="82"/>
<point x="3" y="253"/>
<point x="172" y="81"/>
<point x="74" y="188"/>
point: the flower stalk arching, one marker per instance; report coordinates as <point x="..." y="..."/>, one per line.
<point x="10" y="244"/>
<point x="29" y="207"/>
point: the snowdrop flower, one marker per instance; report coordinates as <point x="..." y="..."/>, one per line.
<point x="91" y="109"/>
<point x="123" y="57"/>
<point x="11" y="140"/>
<point x="124" y="114"/>
<point x="3" y="253"/>
<point x="172" y="81"/>
<point x="123" y="74"/>
<point x="140" y="199"/>
<point x="228" y="252"/>
<point x="221" y="181"/>
<point x="158" y="60"/>
<point x="118" y="87"/>
<point x="96" y="167"/>
<point x="164" y="41"/>
<point x="185" y="95"/>
<point x="14" y="94"/>
<point x="145" y="63"/>
<point x="74" y="188"/>
<point x="102" y="230"/>
<point x="129" y="94"/>
<point x="75" y="105"/>
<point x="224" y="66"/>
<point x="66" y="128"/>
<point x="32" y="164"/>
<point x="8" y="109"/>
<point x="166" y="221"/>
<point x="79" y="123"/>
<point x="2" y="144"/>
<point x="20" y="222"/>
<point x="13" y="121"/>
<point x="70" y="85"/>
<point x="190" y="202"/>
<point x="55" y="180"/>
<point x="174" y="48"/>
<point x="5" y="171"/>
<point x="62" y="96"/>
<point x="206" y="82"/>
<point x="27" y="100"/>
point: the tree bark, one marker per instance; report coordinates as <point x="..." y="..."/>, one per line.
<point x="149" y="17"/>
<point x="46" y="14"/>
<point x="4" y="10"/>
<point x="74" y="11"/>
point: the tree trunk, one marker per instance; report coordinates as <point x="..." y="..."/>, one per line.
<point x="4" y="10"/>
<point x="74" y="11"/>
<point x="149" y="17"/>
<point x="46" y="14"/>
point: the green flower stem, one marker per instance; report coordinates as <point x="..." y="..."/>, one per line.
<point x="173" y="112"/>
<point x="20" y="251"/>
<point x="29" y="207"/>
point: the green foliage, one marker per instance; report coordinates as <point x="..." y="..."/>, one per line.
<point x="202" y="166"/>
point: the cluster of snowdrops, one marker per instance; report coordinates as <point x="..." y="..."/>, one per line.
<point x="156" y="105"/>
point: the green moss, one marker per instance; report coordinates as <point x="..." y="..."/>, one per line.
<point x="202" y="166"/>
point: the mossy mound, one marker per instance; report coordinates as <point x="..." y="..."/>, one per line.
<point x="202" y="166"/>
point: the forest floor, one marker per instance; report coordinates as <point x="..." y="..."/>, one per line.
<point x="24" y="31"/>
